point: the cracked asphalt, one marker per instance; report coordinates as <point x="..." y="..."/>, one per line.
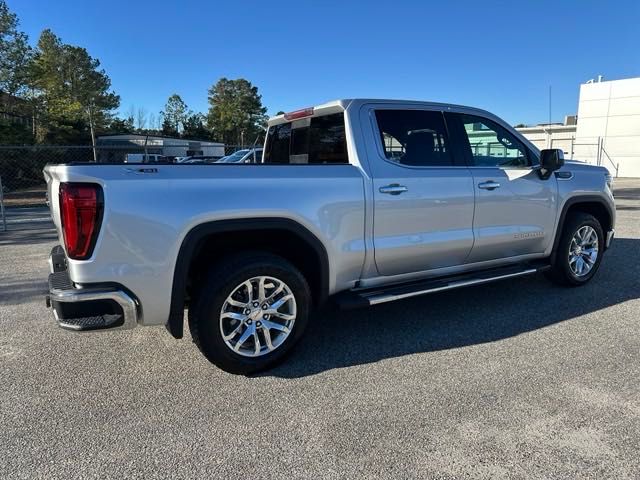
<point x="517" y="379"/>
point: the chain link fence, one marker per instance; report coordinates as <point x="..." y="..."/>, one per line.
<point x="22" y="184"/>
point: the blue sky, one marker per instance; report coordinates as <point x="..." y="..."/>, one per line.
<point x="497" y="55"/>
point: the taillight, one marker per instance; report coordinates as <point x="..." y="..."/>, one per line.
<point x="81" y="215"/>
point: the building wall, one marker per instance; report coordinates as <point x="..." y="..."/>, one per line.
<point x="610" y="112"/>
<point x="551" y="136"/>
<point x="170" y="147"/>
<point x="15" y="110"/>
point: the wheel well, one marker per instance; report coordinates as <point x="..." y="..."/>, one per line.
<point x="596" y="209"/>
<point x="283" y="243"/>
<point x="209" y="243"/>
<point x="586" y="205"/>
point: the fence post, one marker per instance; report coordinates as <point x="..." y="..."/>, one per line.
<point x="573" y="139"/>
<point x="4" y="217"/>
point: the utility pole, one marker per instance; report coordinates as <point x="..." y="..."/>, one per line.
<point x="549" y="141"/>
<point x="549" y="104"/>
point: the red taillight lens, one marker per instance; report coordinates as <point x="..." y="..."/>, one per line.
<point x="81" y="214"/>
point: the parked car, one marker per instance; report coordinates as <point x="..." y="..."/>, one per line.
<point x="247" y="155"/>
<point x="359" y="201"/>
<point x="147" y="158"/>
<point x="200" y="159"/>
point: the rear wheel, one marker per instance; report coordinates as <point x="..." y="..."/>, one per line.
<point x="579" y="250"/>
<point x="250" y="312"/>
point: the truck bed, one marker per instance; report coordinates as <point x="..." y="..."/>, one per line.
<point x="149" y="209"/>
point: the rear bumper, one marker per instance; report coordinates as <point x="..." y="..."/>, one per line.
<point x="89" y="307"/>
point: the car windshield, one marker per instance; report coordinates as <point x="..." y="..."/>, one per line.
<point x="234" y="157"/>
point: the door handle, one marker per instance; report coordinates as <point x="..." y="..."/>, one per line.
<point x="490" y="185"/>
<point x="393" y="189"/>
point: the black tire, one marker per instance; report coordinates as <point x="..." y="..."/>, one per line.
<point x="560" y="271"/>
<point x="221" y="280"/>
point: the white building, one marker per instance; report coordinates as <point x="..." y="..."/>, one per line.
<point x="554" y="135"/>
<point x="609" y="115"/>
<point x="607" y="131"/>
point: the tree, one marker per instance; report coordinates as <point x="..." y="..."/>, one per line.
<point x="15" y="53"/>
<point x="121" y="125"/>
<point x="174" y="115"/>
<point x="15" y="133"/>
<point x="154" y="122"/>
<point x="194" y="127"/>
<point x="90" y="89"/>
<point x="236" y="114"/>
<point x="141" y="118"/>
<point x="71" y="86"/>
<point x="15" y="58"/>
<point x="168" y="129"/>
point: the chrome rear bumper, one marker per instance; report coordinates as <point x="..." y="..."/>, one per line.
<point x="87" y="308"/>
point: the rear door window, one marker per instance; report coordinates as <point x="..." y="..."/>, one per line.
<point x="416" y="138"/>
<point x="314" y="141"/>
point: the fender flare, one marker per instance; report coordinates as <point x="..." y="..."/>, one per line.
<point x="191" y="241"/>
<point x="565" y="209"/>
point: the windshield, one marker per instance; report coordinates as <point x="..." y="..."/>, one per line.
<point x="234" y="157"/>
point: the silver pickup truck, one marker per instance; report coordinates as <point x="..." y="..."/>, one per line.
<point x="358" y="201"/>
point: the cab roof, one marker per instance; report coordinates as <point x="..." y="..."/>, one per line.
<point x="340" y="105"/>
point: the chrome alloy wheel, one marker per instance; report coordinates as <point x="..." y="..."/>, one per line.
<point x="258" y="316"/>
<point x="583" y="251"/>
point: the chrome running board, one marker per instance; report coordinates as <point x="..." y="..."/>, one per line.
<point x="391" y="293"/>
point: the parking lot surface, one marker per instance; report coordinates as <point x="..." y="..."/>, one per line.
<point x="516" y="379"/>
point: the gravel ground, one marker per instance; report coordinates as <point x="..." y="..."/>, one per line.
<point x="518" y="379"/>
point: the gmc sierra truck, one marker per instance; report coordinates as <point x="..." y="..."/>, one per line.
<point x="358" y="201"/>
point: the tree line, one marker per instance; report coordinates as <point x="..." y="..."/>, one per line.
<point x="57" y="94"/>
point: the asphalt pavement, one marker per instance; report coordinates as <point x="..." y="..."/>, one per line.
<point x="517" y="379"/>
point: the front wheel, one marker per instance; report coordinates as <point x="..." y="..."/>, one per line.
<point x="579" y="251"/>
<point x="250" y="312"/>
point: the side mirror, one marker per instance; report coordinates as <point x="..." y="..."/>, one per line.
<point x="551" y="159"/>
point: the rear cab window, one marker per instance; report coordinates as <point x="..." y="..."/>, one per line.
<point x="319" y="140"/>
